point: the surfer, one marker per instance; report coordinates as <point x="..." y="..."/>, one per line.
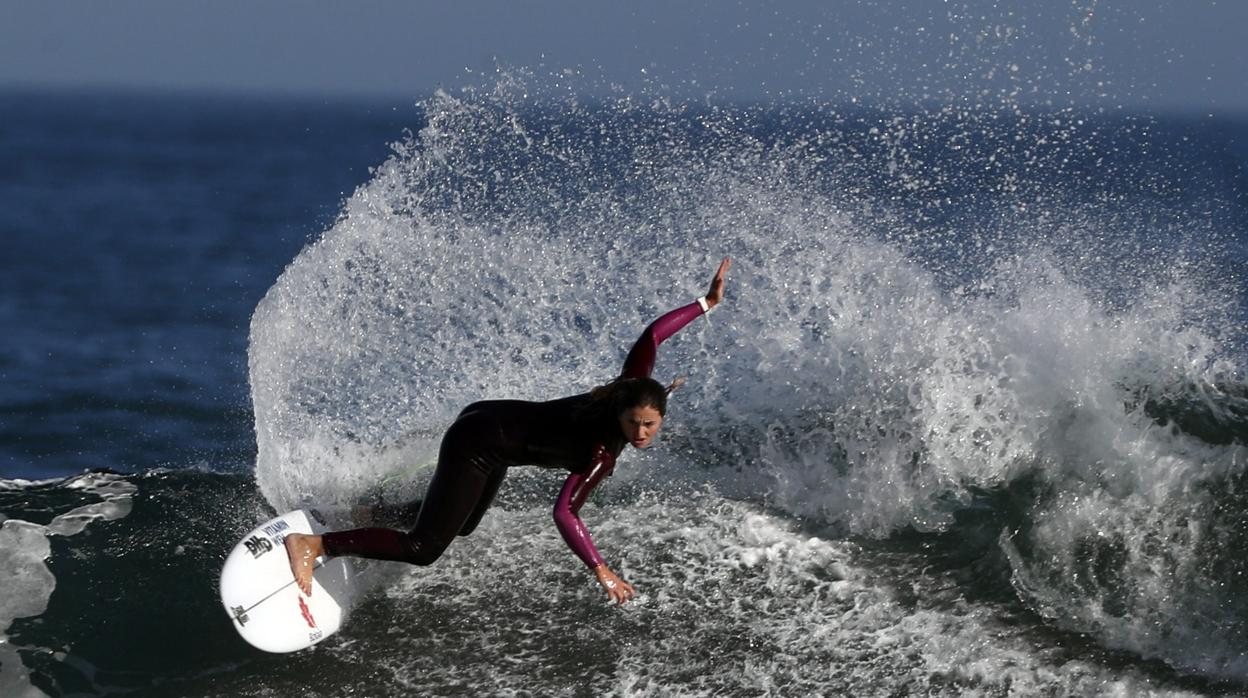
<point x="583" y="434"/>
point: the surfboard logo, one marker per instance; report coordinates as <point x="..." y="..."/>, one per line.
<point x="257" y="546"/>
<point x="307" y="613"/>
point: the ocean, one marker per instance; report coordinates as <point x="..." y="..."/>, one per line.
<point x="972" y="419"/>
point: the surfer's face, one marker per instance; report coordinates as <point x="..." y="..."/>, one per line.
<point x="640" y="424"/>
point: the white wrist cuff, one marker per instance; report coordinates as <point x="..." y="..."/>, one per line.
<point x="705" y="307"/>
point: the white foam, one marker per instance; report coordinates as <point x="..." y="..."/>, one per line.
<point x="731" y="600"/>
<point x="19" y="484"/>
<point x="117" y="500"/>
<point x="870" y="381"/>
<point x="27" y="585"/>
<point x="27" y="581"/>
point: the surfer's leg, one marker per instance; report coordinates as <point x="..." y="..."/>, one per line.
<point x="467" y="473"/>
<point x="393" y="515"/>
<point x="453" y="495"/>
<point x="487" y="498"/>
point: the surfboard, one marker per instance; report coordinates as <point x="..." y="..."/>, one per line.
<point x="259" y="592"/>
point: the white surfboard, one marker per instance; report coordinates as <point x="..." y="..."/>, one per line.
<point x="260" y="595"/>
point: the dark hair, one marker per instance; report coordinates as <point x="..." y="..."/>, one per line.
<point x="626" y="393"/>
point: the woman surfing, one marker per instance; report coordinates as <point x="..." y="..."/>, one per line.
<point x="583" y="434"/>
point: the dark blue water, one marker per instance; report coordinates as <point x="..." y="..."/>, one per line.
<point x="141" y="232"/>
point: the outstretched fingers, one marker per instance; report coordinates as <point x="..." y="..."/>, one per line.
<point x="620" y="591"/>
<point x="624" y="592"/>
<point x="716" y="294"/>
<point x="617" y="589"/>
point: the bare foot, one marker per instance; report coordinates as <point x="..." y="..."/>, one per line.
<point x="303" y="549"/>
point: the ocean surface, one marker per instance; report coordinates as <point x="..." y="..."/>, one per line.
<point x="972" y="420"/>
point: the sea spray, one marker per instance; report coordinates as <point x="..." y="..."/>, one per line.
<point x="899" y="338"/>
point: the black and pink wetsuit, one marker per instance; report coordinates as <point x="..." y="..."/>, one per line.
<point x="490" y="436"/>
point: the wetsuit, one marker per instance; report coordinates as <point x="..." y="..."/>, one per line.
<point x="490" y="436"/>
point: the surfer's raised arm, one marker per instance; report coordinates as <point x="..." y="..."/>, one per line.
<point x="582" y="433"/>
<point x="640" y="361"/>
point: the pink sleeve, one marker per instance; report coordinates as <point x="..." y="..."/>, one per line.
<point x="575" y="491"/>
<point x="640" y="361"/>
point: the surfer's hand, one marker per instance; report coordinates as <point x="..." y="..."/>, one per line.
<point x="617" y="589"/>
<point x="716" y="294"/>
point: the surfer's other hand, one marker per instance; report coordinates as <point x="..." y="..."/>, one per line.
<point x="716" y="293"/>
<point x="617" y="589"/>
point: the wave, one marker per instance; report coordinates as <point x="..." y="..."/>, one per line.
<point x="924" y="307"/>
<point x="25" y="548"/>
<point x="766" y="591"/>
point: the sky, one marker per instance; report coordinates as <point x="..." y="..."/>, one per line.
<point x="1171" y="55"/>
